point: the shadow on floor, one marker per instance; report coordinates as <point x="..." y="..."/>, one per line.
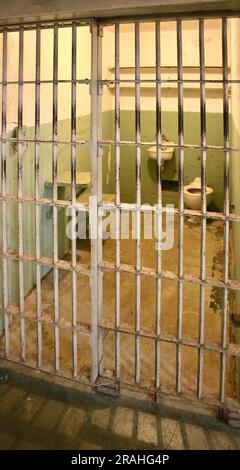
<point x="36" y="414"/>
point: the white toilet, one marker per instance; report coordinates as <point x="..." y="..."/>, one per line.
<point x="192" y="195"/>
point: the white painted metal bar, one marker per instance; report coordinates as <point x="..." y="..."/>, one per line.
<point x="159" y="205"/>
<point x="37" y="196"/>
<point x="104" y="143"/>
<point x="96" y="348"/>
<point x="204" y="206"/>
<point x="73" y="184"/>
<point x="224" y="340"/>
<point x="181" y="203"/>
<point x="143" y="81"/>
<point x="20" y="195"/>
<point x="118" y="200"/>
<point x="131" y="143"/>
<point x="127" y="207"/>
<point x="4" y="190"/>
<point x="98" y="121"/>
<point x="138" y="203"/>
<point x="55" y="196"/>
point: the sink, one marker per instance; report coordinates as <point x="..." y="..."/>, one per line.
<point x="166" y="153"/>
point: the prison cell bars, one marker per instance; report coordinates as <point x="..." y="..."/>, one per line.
<point x="37" y="196"/>
<point x="179" y="341"/>
<point x="202" y="281"/>
<point x="55" y="197"/>
<point x="20" y="140"/>
<point x="203" y="206"/>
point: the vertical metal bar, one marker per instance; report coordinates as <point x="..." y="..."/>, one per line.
<point x="204" y="206"/>
<point x="226" y="207"/>
<point x="95" y="338"/>
<point x="118" y="200"/>
<point x="73" y="185"/>
<point x="55" y="196"/>
<point x="138" y="203"/>
<point x="181" y="202"/>
<point x="37" y="196"/>
<point x="20" y="196"/>
<point x="4" y="190"/>
<point x="159" y="205"/>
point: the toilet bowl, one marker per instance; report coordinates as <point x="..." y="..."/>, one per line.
<point x="193" y="197"/>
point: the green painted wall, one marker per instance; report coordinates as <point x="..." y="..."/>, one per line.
<point x="192" y="157"/>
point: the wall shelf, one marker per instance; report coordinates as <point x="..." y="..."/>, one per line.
<point x="169" y="74"/>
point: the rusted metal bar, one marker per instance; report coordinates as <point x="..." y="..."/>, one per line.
<point x="176" y="146"/>
<point x="118" y="201"/>
<point x="181" y="203"/>
<point x="44" y="141"/>
<point x="224" y="339"/>
<point x="159" y="205"/>
<point x="138" y="203"/>
<point x="55" y="209"/>
<point x="124" y="207"/>
<point x="168" y="338"/>
<point x="73" y="189"/>
<point x="20" y="195"/>
<point x="47" y="261"/>
<point x="203" y="207"/>
<point x="37" y="196"/>
<point x="96" y="348"/>
<point x="4" y="190"/>
<point x="211" y="281"/>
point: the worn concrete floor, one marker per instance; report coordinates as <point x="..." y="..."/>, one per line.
<point x="36" y="414"/>
<point x="213" y="314"/>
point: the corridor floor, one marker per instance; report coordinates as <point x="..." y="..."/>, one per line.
<point x="37" y="414"/>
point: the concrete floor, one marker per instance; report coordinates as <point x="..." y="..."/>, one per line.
<point x="213" y="314"/>
<point x="38" y="414"/>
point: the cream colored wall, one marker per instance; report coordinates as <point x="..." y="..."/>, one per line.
<point x="147" y="57"/>
<point x="64" y="73"/>
<point x="213" y="57"/>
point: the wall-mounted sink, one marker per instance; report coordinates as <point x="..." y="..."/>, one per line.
<point x="166" y="153"/>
